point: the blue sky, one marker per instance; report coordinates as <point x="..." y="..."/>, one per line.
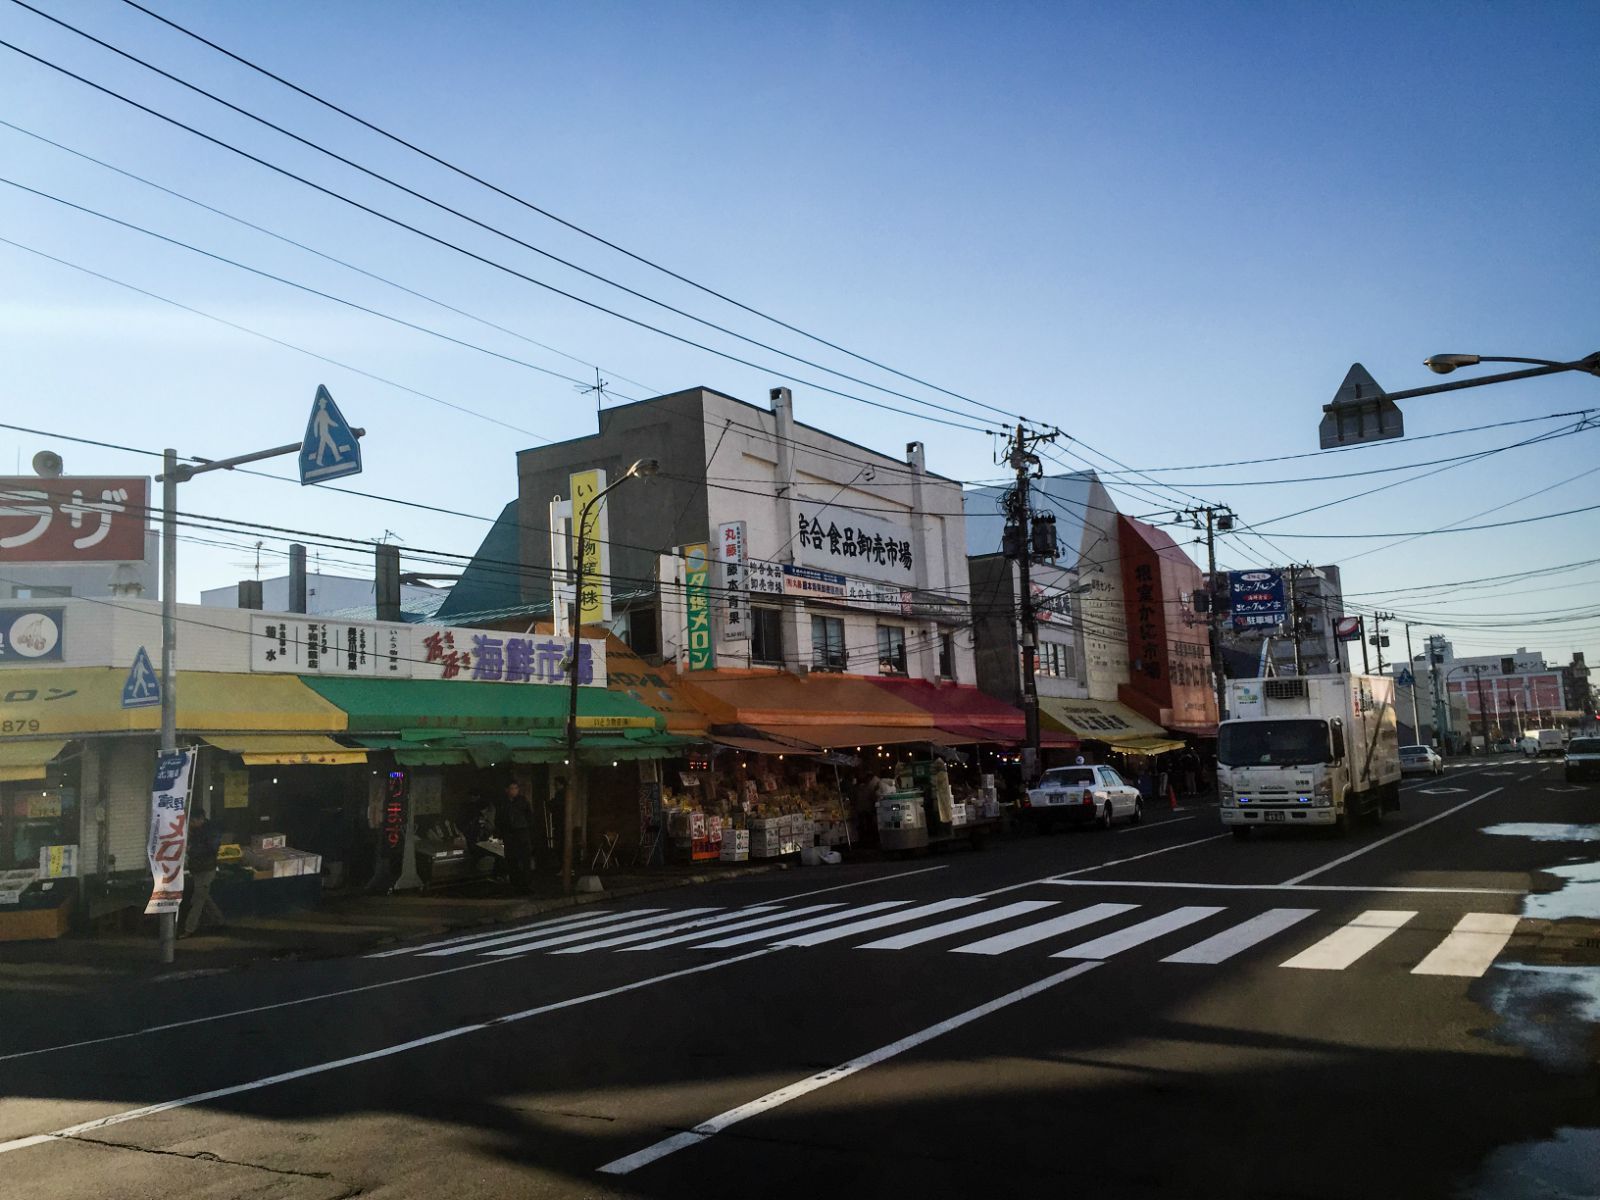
<point x="1167" y="228"/>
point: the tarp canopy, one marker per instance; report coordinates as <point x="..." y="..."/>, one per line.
<point x="390" y="705"/>
<point x="286" y="749"/>
<point x="866" y="737"/>
<point x="1099" y="720"/>
<point x="21" y="761"/>
<point x="968" y="715"/>
<point x="449" y="748"/>
<point x="1148" y="745"/>
<point x="767" y="699"/>
<point x="88" y="700"/>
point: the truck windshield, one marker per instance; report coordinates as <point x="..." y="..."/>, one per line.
<point x="1272" y="743"/>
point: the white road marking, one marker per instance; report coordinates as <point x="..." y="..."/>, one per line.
<point x="1138" y="935"/>
<point x="1469" y="948"/>
<point x="878" y="922"/>
<point x="1116" y="862"/>
<point x="525" y="947"/>
<point x="839" y="887"/>
<point x="614" y="922"/>
<point x="786" y="915"/>
<point x="323" y="1068"/>
<point x="624" y="939"/>
<point x="1038" y="932"/>
<point x="917" y="937"/>
<point x="1283" y="887"/>
<point x="1339" y="862"/>
<point x="598" y="917"/>
<point x="793" y="1091"/>
<point x="1154" y="824"/>
<point x="1349" y="942"/>
<point x="1241" y="937"/>
<point x="795" y="926"/>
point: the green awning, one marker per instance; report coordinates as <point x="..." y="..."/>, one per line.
<point x="393" y="705"/>
<point x="449" y="748"/>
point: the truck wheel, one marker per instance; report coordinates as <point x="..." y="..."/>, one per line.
<point x="1241" y="833"/>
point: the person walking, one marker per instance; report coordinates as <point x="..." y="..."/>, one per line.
<point x="515" y="821"/>
<point x="205" y="840"/>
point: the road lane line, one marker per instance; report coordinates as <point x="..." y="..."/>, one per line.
<point x="1138" y="935"/>
<point x="254" y="1085"/>
<point x="895" y="918"/>
<point x="1399" y="833"/>
<point x="917" y="937"/>
<point x="839" y="887"/>
<point x="526" y="947"/>
<point x="795" y="926"/>
<point x="1284" y="887"/>
<point x="794" y="1091"/>
<point x="1153" y="824"/>
<point x="1041" y="930"/>
<point x="1349" y="942"/>
<point x="595" y="918"/>
<point x="622" y="939"/>
<point x="1469" y="949"/>
<point x="737" y="926"/>
<point x="1241" y="937"/>
<point x="1116" y="862"/>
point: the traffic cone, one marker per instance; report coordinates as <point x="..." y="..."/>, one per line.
<point x="1172" y="798"/>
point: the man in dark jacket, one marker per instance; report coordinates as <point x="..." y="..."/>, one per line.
<point x="515" y="821"/>
<point x="205" y="839"/>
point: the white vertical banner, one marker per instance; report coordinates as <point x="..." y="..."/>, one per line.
<point x="729" y="552"/>
<point x="169" y="829"/>
<point x="560" y="566"/>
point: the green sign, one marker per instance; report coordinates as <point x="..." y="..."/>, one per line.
<point x="697" y="589"/>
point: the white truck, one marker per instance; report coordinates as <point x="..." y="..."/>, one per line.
<point x="1308" y="750"/>
<point x="1537" y="742"/>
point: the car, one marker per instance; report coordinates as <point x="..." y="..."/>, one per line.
<point x="1506" y="746"/>
<point x="1583" y="759"/>
<point x="1420" y="760"/>
<point x="1083" y="795"/>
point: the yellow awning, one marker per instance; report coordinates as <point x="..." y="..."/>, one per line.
<point x="1148" y="745"/>
<point x="286" y="749"/>
<point x="78" y="700"/>
<point x="26" y="760"/>
<point x="1103" y="721"/>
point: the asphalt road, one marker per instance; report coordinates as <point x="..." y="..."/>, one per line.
<point x="1155" y="1011"/>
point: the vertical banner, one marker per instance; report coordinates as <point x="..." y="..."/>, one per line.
<point x="736" y="596"/>
<point x="169" y="829"/>
<point x="594" y="584"/>
<point x="560" y="566"/>
<point x="697" y="591"/>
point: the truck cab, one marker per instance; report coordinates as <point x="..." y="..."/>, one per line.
<point x="1320" y="751"/>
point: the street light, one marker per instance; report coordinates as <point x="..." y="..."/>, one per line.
<point x="1443" y="364"/>
<point x="643" y="469"/>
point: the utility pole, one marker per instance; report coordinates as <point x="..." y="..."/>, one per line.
<point x="1215" y="518"/>
<point x="1366" y="665"/>
<point x="1294" y="615"/>
<point x="1019" y="544"/>
<point x="1441" y="701"/>
<point x="1483" y="707"/>
<point x="1378" y="640"/>
<point x="1411" y="665"/>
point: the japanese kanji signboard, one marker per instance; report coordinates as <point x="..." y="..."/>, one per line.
<point x="307" y="646"/>
<point x="1256" y="598"/>
<point x="73" y="518"/>
<point x="594" y="584"/>
<point x="736" y="593"/>
<point x="835" y="539"/>
<point x="697" y="593"/>
<point x="169" y="829"/>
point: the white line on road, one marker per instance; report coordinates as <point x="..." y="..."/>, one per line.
<point x="787" y="914"/>
<point x="1349" y="942"/>
<point x="595" y="918"/>
<point x="793" y="1091"/>
<point x="1339" y="862"/>
<point x="1154" y="824"/>
<point x="917" y="937"/>
<point x="73" y="1131"/>
<point x="839" y="887"/>
<point x="1138" y="935"/>
<point x="818" y="937"/>
<point x="1470" y="947"/>
<point x="794" y="926"/>
<point x="521" y="946"/>
<point x="1241" y="937"/>
<point x="1038" y="932"/>
<point x="1116" y="862"/>
<point x="1284" y="887"/>
<point x="699" y="923"/>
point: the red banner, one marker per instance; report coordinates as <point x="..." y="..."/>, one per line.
<point x="73" y="518"/>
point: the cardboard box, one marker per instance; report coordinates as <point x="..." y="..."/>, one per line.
<point x="268" y="841"/>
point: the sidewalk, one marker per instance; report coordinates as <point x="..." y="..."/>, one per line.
<point x="342" y="925"/>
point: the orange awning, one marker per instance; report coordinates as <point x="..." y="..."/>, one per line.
<point x="797" y="704"/>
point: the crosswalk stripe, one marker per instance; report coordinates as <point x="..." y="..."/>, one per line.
<point x="917" y="937"/>
<point x="515" y="945"/>
<point x="1137" y="935"/>
<point x="1229" y="942"/>
<point x="606" y="941"/>
<point x="1470" y="947"/>
<point x="736" y="927"/>
<point x="895" y="918"/>
<point x="588" y="918"/>
<point x="809" y="923"/>
<point x="1038" y="932"/>
<point x="1349" y="942"/>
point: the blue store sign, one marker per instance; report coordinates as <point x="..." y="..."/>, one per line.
<point x="30" y="635"/>
<point x="1257" y="598"/>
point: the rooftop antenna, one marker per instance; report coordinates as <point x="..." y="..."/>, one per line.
<point x="599" y="390"/>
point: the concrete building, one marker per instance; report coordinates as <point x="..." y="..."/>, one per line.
<point x="1253" y="650"/>
<point x="1505" y="693"/>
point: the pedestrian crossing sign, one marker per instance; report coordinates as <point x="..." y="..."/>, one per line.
<point x="142" y="689"/>
<point x="330" y="448"/>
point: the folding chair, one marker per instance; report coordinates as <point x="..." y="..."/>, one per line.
<point x="605" y="854"/>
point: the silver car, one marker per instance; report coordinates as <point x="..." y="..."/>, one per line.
<point x="1420" y="760"/>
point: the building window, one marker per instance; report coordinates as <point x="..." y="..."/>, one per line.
<point x="644" y="635"/>
<point x="827" y="644"/>
<point x="891" y="650"/>
<point x="1058" y="660"/>
<point x="766" y="635"/>
<point x="947" y="656"/>
<point x="40" y="592"/>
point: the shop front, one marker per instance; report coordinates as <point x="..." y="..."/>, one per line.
<point x="1113" y="733"/>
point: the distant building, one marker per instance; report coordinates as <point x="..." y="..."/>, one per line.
<point x="345" y="596"/>
<point x="1505" y="693"/>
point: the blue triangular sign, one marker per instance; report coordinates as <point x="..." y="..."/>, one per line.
<point x="330" y="448"/>
<point x="143" y="686"/>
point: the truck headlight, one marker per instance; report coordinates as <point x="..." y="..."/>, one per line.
<point x="1322" y="796"/>
<point x="1225" y="793"/>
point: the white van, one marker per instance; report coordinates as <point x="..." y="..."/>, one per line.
<point x="1543" y="741"/>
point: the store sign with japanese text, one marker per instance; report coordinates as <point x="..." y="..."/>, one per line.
<point x="305" y="646"/>
<point x="735" y="595"/>
<point x="787" y="579"/>
<point x="697" y="596"/>
<point x="169" y="829"/>
<point x="1256" y="598"/>
<point x="594" y="586"/>
<point x="1169" y="665"/>
<point x="73" y="518"/>
<point x="852" y="543"/>
<point x="31" y="635"/>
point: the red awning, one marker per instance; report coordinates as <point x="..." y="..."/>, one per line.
<point x="967" y="715"/>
